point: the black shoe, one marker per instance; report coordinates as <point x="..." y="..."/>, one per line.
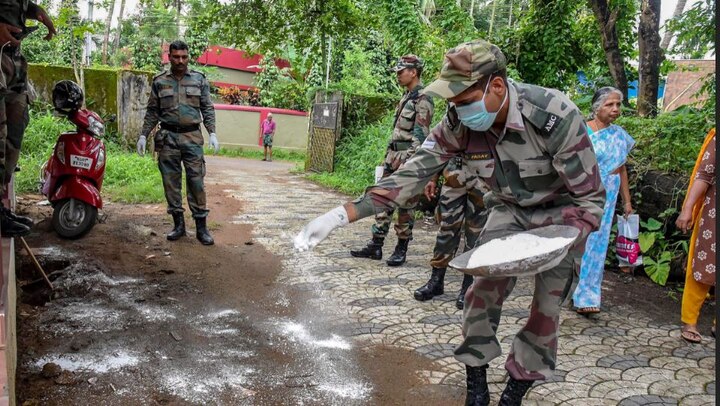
<point x="179" y="229"/>
<point x="10" y="228"/>
<point x="24" y="220"/>
<point x="202" y="233"/>
<point x="398" y="257"/>
<point x="478" y="393"/>
<point x="373" y="250"/>
<point x="467" y="281"/>
<point x="514" y="392"/>
<point x="433" y="287"/>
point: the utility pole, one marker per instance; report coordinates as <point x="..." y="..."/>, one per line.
<point x="88" y="38"/>
<point x="327" y="69"/>
<point x="492" y="18"/>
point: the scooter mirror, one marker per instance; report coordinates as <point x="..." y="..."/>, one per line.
<point x="111" y="118"/>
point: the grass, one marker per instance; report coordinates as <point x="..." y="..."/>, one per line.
<point x="278" y="154"/>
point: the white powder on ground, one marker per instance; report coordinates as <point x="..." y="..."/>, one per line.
<point x="97" y="363"/>
<point x="514" y="248"/>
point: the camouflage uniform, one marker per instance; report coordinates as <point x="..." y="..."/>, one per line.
<point x="460" y="208"/>
<point x="412" y="125"/>
<point x="541" y="169"/>
<point x="180" y="106"/>
<point x="14" y="98"/>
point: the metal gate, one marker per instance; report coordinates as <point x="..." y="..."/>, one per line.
<point x="325" y="126"/>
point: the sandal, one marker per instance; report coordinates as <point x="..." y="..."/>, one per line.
<point x="691" y="335"/>
<point x="587" y="310"/>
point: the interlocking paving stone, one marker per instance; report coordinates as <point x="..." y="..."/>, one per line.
<point x="648" y="400"/>
<point x="620" y="356"/>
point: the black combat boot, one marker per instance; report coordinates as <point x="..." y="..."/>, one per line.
<point x="398" y="257"/>
<point x="514" y="392"/>
<point x="478" y="393"/>
<point x="467" y="281"/>
<point x="179" y="230"/>
<point x="27" y="221"/>
<point x="10" y="228"/>
<point x="434" y="287"/>
<point x="202" y="233"/>
<point x="373" y="250"/>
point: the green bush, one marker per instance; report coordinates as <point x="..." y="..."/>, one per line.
<point x="254" y="153"/>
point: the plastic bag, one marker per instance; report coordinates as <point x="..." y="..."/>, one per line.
<point x="379" y="171"/>
<point x="627" y="245"/>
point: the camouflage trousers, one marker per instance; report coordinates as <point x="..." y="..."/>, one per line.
<point x="405" y="219"/>
<point x="14" y="116"/>
<point x="460" y="209"/>
<point x="534" y="349"/>
<point x="186" y="149"/>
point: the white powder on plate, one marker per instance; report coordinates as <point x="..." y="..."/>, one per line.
<point x="514" y="248"/>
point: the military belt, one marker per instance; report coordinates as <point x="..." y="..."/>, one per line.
<point x="400" y="145"/>
<point x="180" y="128"/>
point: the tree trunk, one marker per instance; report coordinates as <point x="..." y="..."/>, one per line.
<point x="106" y="39"/>
<point x="650" y="57"/>
<point x="606" y="19"/>
<point x="667" y="37"/>
<point x="119" y="24"/>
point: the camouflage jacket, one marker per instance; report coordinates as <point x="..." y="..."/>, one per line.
<point x="14" y="12"/>
<point x="179" y="102"/>
<point x="413" y="116"/>
<point x="543" y="161"/>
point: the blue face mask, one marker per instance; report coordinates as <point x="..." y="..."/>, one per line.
<point x="475" y="115"/>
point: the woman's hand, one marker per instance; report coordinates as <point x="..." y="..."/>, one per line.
<point x="627" y="209"/>
<point x="430" y="189"/>
<point x="684" y="221"/>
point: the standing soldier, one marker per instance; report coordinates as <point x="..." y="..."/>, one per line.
<point x="460" y="208"/>
<point x="536" y="158"/>
<point x="412" y="125"/>
<point x="180" y="100"/>
<point x="14" y="98"/>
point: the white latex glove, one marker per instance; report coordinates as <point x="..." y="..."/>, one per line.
<point x="214" y="144"/>
<point x="318" y="229"/>
<point x="141" y="145"/>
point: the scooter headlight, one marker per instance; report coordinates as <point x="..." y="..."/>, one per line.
<point x="60" y="152"/>
<point x="95" y="126"/>
<point x="100" y="159"/>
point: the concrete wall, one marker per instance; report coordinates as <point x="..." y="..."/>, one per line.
<point x="239" y="127"/>
<point x="132" y="103"/>
<point x="235" y="77"/>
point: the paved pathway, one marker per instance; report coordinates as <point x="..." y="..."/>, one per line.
<point x="621" y="357"/>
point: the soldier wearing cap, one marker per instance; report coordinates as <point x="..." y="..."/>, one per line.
<point x="538" y="162"/>
<point x="413" y="116"/>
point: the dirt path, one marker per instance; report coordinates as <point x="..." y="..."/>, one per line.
<point x="136" y="319"/>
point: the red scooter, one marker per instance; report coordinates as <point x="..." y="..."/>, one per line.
<point x="73" y="176"/>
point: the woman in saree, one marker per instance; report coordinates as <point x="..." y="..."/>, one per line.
<point x="698" y="215"/>
<point x="612" y="145"/>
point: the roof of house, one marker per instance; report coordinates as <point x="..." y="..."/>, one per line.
<point x="229" y="58"/>
<point x="685" y="81"/>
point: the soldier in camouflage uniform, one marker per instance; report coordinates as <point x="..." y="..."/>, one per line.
<point x="14" y="98"/>
<point x="413" y="116"/>
<point x="541" y="169"/>
<point x="180" y="101"/>
<point x="460" y="209"/>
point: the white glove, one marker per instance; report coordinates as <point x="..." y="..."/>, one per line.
<point x="318" y="229"/>
<point x="141" y="145"/>
<point x="214" y="144"/>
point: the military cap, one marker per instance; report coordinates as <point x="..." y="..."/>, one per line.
<point x="463" y="66"/>
<point x="408" y="61"/>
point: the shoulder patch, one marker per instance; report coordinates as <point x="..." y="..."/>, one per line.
<point x="551" y="123"/>
<point x="451" y="118"/>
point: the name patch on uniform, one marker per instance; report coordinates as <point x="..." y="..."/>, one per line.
<point x="551" y="124"/>
<point x="478" y="155"/>
<point x="428" y="144"/>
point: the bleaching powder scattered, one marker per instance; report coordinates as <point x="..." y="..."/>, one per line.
<point x="514" y="248"/>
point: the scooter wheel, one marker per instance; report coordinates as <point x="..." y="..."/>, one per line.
<point x="73" y="218"/>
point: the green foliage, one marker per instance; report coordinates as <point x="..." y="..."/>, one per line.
<point x="658" y="250"/>
<point x="694" y="30"/>
<point x="255" y="153"/>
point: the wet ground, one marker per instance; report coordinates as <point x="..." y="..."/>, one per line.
<point x="135" y="319"/>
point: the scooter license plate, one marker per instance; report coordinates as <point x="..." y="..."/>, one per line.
<point x="78" y="161"/>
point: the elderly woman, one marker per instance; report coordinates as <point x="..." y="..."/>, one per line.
<point x="612" y="145"/>
<point x="698" y="215"/>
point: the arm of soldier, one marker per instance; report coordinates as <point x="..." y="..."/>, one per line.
<point x="206" y="107"/>
<point x="152" y="113"/>
<point x="576" y="163"/>
<point x="35" y="12"/>
<point x="424" y="109"/>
